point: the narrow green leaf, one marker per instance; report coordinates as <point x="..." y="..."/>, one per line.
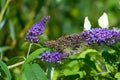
<point x="2" y="2"/>
<point x="34" y="72"/>
<point x="12" y="30"/>
<point x="3" y="66"/>
<point x="2" y="23"/>
<point x="15" y="60"/>
<point x="24" y="44"/>
<point x="4" y="48"/>
<point x="83" y="54"/>
<point x="38" y="45"/>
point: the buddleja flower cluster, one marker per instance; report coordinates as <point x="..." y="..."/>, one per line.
<point x="88" y="37"/>
<point x="97" y="36"/>
<point x="101" y="36"/>
<point x="54" y="57"/>
<point x="36" y="30"/>
<point x="69" y="41"/>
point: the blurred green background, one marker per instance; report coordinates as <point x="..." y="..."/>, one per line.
<point x="67" y="17"/>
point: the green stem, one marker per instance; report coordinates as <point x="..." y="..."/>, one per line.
<point x="20" y="63"/>
<point x="107" y="68"/>
<point x="104" y="73"/>
<point x="14" y="65"/>
<point x="50" y="70"/>
<point x="29" y="49"/>
<point x="4" y="9"/>
<point x="17" y="64"/>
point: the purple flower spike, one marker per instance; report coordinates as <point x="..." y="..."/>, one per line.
<point x="100" y="36"/>
<point x="36" y="30"/>
<point x="54" y="57"/>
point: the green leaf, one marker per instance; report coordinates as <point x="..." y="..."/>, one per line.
<point x="71" y="68"/>
<point x="15" y="60"/>
<point x="24" y="44"/>
<point x="38" y="45"/>
<point x="3" y="66"/>
<point x="56" y="74"/>
<point x="35" y="54"/>
<point x="4" y="48"/>
<point x="34" y="72"/>
<point x="20" y="77"/>
<point x="12" y="30"/>
<point x="93" y="54"/>
<point x="2" y="2"/>
<point x="68" y="72"/>
<point x="2" y="23"/>
<point x="117" y="75"/>
<point x="73" y="63"/>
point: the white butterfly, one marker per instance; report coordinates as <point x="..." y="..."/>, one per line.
<point x="87" y="24"/>
<point x="103" y="21"/>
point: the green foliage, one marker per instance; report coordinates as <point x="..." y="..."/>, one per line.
<point x="35" y="55"/>
<point x="4" y="48"/>
<point x="15" y="60"/>
<point x="12" y="30"/>
<point x="4" y="71"/>
<point x="89" y="64"/>
<point x="34" y="72"/>
<point x="117" y="75"/>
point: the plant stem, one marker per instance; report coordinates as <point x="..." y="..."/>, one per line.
<point x="103" y="73"/>
<point x="19" y="63"/>
<point x="107" y="68"/>
<point x="52" y="72"/>
<point x="29" y="49"/>
<point x="3" y="10"/>
<point x="14" y="65"/>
